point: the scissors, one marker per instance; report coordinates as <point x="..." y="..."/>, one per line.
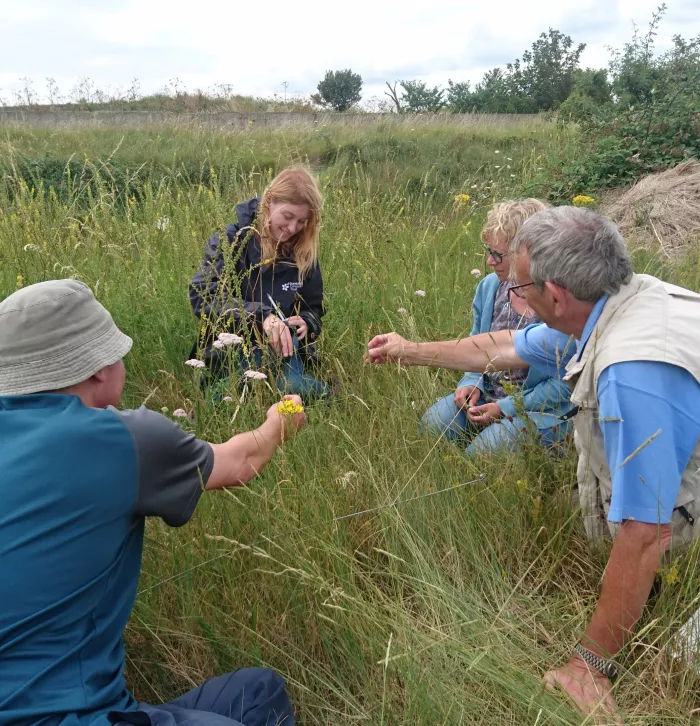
<point x="277" y="310"/>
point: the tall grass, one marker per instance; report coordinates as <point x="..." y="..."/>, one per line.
<point x="445" y="610"/>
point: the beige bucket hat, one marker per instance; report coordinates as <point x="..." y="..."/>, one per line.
<point x="55" y="334"/>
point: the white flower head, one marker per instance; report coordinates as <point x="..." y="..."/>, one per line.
<point x="419" y="293"/>
<point x="227" y="399"/>
<point x="255" y="375"/>
<point x="346" y="478"/>
<point x="31" y="248"/>
<point x="162" y="223"/>
<point x="180" y="413"/>
<point x="194" y="363"/>
<point x="218" y="344"/>
<point x="402" y="311"/>
<point x="229" y="339"/>
<point x="476" y="273"/>
<point x="497" y="152"/>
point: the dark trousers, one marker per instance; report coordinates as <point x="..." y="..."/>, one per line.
<point x="246" y="697"/>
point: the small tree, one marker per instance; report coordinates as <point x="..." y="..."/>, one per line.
<point x="460" y="97"/>
<point x="589" y="96"/>
<point x="545" y="75"/>
<point x="418" y="98"/>
<point x="339" y="89"/>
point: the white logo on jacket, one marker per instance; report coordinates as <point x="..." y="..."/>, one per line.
<point x="293" y="286"/>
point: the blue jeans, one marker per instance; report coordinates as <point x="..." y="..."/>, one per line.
<point x="289" y="373"/>
<point x="445" y="418"/>
<point x="246" y="697"/>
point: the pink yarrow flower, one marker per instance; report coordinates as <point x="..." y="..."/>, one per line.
<point x="419" y="293"/>
<point x="218" y="344"/>
<point x="229" y="339"/>
<point x="194" y="363"/>
<point x="255" y="375"/>
<point x="227" y="399"/>
<point x="476" y="273"/>
<point x="180" y="413"/>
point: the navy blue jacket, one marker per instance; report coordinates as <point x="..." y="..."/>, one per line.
<point x="233" y="286"/>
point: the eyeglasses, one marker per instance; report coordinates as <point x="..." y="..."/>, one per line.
<point x="517" y="290"/>
<point x="498" y="256"/>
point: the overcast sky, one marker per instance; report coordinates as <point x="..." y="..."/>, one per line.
<point x="257" y="46"/>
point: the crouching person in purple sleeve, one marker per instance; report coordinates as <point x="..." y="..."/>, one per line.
<point x="629" y="348"/>
<point x="78" y="477"/>
<point x="263" y="282"/>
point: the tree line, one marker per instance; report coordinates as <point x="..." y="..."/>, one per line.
<point x="547" y="77"/>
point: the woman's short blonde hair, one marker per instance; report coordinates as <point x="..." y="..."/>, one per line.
<point x="295" y="185"/>
<point x="506" y="218"/>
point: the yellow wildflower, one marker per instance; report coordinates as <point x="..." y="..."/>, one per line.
<point x="289" y="407"/>
<point x="581" y="200"/>
<point x="522" y="486"/>
<point x="20" y="281"/>
<point x="671" y="575"/>
<point x="462" y="198"/>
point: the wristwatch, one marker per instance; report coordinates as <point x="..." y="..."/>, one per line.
<point x="606" y="667"/>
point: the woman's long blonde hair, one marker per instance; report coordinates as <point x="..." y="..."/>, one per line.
<point x="295" y="185"/>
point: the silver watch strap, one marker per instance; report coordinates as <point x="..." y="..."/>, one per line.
<point x="606" y="667"/>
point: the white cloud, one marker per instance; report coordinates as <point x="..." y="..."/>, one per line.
<point x="255" y="48"/>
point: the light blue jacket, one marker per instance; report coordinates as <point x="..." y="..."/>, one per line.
<point x="544" y="398"/>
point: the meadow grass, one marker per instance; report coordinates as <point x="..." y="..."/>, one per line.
<point x="445" y="610"/>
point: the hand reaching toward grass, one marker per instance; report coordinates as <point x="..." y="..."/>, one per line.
<point x="466" y="396"/>
<point x="590" y="691"/>
<point x="388" y="348"/>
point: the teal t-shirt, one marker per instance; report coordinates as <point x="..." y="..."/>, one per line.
<point x="76" y="484"/>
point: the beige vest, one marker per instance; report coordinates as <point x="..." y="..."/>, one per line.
<point x="646" y="320"/>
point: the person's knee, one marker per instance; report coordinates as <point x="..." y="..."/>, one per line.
<point x="501" y="436"/>
<point x="252" y="696"/>
<point x="438" y="419"/>
<point x="429" y="422"/>
<point x="266" y="678"/>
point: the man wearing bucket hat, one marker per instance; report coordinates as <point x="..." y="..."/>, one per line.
<point x="77" y="479"/>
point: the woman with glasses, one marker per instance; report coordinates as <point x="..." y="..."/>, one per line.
<point x="499" y="409"/>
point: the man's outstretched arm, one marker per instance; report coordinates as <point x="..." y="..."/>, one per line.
<point x="479" y="353"/>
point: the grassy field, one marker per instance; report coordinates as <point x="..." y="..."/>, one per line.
<point x="444" y="610"/>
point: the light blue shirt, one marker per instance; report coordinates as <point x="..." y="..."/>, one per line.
<point x="646" y="407"/>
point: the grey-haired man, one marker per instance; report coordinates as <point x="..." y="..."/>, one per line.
<point x="77" y="480"/>
<point x="629" y="347"/>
